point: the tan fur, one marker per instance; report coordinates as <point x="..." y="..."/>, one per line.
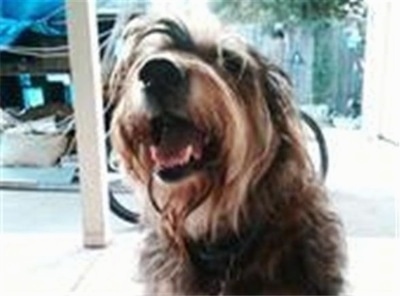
<point x="261" y="173"/>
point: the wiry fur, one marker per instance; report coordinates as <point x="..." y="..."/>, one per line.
<point x="260" y="179"/>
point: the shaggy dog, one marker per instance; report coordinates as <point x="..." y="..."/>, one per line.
<point x="206" y="129"/>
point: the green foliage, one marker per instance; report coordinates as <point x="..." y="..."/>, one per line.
<point x="318" y="15"/>
<point x="286" y="11"/>
<point x="323" y="65"/>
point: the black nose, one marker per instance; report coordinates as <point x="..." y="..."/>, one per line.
<point x="161" y="76"/>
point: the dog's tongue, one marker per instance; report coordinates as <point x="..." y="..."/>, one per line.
<point x="176" y="147"/>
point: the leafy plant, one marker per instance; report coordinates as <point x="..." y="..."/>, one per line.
<point x="288" y="12"/>
<point x="323" y="65"/>
<point x="317" y="15"/>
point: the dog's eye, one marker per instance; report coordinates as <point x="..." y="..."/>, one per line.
<point x="232" y="62"/>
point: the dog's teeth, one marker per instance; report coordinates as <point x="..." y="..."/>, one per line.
<point x="164" y="159"/>
<point x="196" y="155"/>
<point x="188" y="154"/>
<point x="153" y="152"/>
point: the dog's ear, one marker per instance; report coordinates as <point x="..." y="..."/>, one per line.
<point x="285" y="116"/>
<point x="278" y="93"/>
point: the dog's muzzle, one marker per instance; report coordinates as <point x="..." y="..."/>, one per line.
<point x="164" y="86"/>
<point x="177" y="146"/>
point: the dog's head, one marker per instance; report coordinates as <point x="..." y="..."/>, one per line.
<point x="201" y="118"/>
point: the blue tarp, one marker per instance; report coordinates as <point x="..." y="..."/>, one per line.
<point x="42" y="16"/>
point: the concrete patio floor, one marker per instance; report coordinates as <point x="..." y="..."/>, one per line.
<point x="56" y="264"/>
<point x="41" y="250"/>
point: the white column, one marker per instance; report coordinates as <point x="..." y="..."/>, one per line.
<point x="380" y="94"/>
<point x="86" y="82"/>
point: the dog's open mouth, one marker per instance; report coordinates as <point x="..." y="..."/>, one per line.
<point x="177" y="148"/>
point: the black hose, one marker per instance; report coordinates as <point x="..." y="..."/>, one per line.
<point x="323" y="147"/>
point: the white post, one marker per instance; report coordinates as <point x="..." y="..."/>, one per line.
<point x="85" y="65"/>
<point x="380" y="95"/>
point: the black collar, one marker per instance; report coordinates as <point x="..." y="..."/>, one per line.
<point x="224" y="256"/>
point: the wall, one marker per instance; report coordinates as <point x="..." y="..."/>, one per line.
<point x="381" y="97"/>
